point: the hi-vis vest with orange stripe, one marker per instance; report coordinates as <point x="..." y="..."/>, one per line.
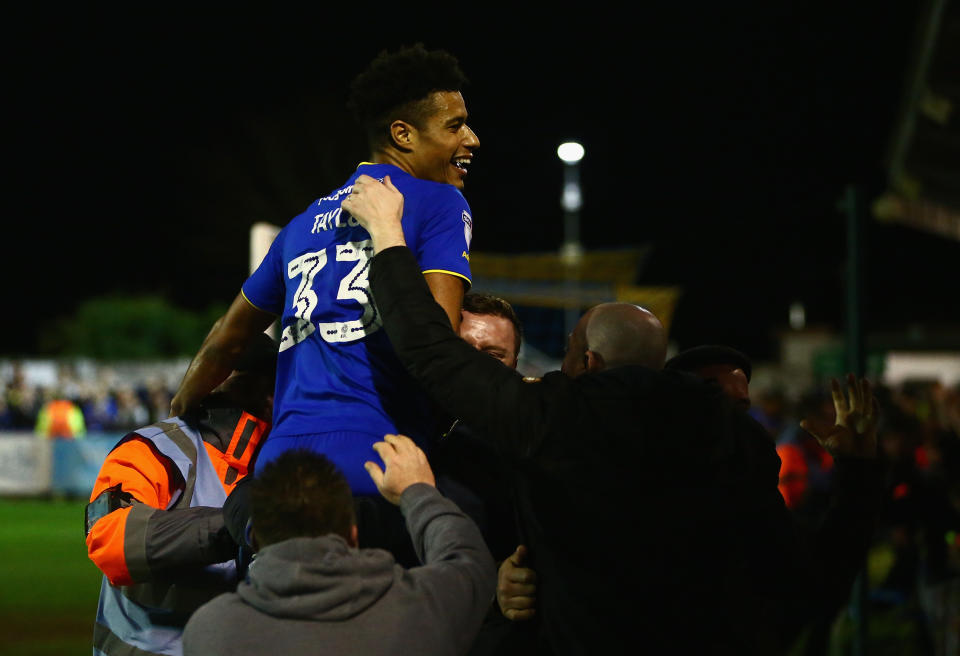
<point x="147" y="619"/>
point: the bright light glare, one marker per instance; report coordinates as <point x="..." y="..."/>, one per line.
<point x="570" y="152"/>
<point x="572" y="200"/>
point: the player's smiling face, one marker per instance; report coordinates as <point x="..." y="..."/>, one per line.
<point x="445" y="143"/>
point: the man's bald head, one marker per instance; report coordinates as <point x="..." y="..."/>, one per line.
<point x="614" y="335"/>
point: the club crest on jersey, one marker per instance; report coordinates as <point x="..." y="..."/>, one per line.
<point x="467" y="227"/>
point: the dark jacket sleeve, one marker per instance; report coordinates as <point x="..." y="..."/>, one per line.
<point x="185" y="537"/>
<point x="467" y="383"/>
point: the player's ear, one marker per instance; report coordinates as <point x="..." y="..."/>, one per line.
<point x="402" y="135"/>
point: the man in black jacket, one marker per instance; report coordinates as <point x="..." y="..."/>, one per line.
<point x="713" y="563"/>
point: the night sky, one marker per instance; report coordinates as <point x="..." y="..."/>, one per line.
<point x="141" y="147"/>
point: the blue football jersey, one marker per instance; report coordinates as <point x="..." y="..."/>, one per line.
<point x="336" y="370"/>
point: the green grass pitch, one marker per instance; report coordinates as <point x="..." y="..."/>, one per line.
<point x="48" y="586"/>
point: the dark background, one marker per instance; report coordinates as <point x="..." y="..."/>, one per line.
<point x="141" y="147"/>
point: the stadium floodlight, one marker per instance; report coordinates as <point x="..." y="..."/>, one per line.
<point x="571" y="200"/>
<point x="570" y="152"/>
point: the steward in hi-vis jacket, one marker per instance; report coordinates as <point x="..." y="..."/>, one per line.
<point x="155" y="524"/>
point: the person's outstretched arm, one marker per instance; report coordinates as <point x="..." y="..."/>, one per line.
<point x="469" y="384"/>
<point x="835" y="551"/>
<point x="458" y="571"/>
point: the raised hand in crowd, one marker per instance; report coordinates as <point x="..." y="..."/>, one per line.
<point x="406" y="464"/>
<point x="855" y="432"/>
<point x="517" y="587"/>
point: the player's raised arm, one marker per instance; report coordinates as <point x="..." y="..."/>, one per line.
<point x="218" y="354"/>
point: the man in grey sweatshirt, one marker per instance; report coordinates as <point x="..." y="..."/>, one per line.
<point x="310" y="590"/>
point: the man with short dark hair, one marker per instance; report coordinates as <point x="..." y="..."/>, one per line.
<point x="339" y="385"/>
<point x="490" y="324"/>
<point x="469" y="469"/>
<point x="311" y="591"/>
<point x="278" y="499"/>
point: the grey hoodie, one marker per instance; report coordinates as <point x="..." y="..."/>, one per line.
<point x="320" y="596"/>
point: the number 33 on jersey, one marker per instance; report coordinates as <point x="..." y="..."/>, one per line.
<point x="353" y="286"/>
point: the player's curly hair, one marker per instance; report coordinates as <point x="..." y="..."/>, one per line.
<point x="397" y="85"/>
<point x="300" y="494"/>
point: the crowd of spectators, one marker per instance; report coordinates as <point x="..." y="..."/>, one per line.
<point x="914" y="564"/>
<point x="103" y="402"/>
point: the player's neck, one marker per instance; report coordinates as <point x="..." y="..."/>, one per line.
<point x="395" y="158"/>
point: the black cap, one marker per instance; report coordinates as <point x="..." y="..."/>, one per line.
<point x="260" y="356"/>
<point x="707" y="354"/>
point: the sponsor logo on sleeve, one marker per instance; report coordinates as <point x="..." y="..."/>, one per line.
<point x="467" y="227"/>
